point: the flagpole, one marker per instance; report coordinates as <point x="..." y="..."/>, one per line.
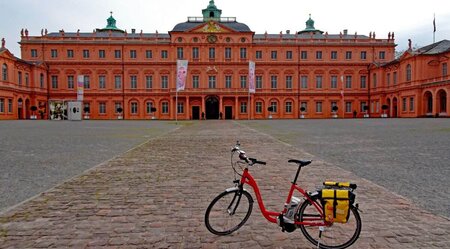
<point x="249" y="109"/>
<point x="176" y="107"/>
<point x="434" y="27"/>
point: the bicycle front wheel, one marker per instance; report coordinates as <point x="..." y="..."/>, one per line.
<point x="335" y="236"/>
<point x="228" y="212"/>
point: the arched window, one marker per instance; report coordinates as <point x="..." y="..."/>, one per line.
<point x="408" y="72"/>
<point x="5" y="72"/>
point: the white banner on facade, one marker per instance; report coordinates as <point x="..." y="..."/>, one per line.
<point x="80" y="87"/>
<point x="181" y="74"/>
<point x="251" y="77"/>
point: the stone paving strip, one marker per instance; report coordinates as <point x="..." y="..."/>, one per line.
<point x="155" y="196"/>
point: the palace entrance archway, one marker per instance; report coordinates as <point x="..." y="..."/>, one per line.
<point x="212" y="107"/>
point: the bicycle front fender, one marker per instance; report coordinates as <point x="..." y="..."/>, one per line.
<point x="234" y="189"/>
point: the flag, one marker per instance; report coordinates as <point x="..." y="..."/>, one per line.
<point x="251" y="77"/>
<point x="181" y="74"/>
<point x="80" y="87"/>
<point x="434" y="24"/>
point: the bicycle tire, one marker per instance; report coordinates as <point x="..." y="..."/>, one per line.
<point x="336" y="236"/>
<point x="218" y="218"/>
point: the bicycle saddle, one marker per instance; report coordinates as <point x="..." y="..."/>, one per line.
<point x="299" y="162"/>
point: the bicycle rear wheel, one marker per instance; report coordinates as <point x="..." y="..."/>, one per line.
<point x="228" y="212"/>
<point x="336" y="236"/>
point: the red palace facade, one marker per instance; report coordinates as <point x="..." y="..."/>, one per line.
<point x="304" y="74"/>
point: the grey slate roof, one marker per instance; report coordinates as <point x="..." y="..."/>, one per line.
<point x="236" y="26"/>
<point x="435" y="48"/>
<point x="307" y="35"/>
<point x="106" y="35"/>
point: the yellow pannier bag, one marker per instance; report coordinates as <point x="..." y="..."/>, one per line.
<point x="336" y="204"/>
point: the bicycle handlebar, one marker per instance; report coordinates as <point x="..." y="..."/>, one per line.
<point x="242" y="156"/>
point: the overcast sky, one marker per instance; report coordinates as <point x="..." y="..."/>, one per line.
<point x="408" y="19"/>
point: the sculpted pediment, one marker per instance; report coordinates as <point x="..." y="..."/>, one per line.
<point x="211" y="27"/>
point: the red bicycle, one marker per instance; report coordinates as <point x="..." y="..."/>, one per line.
<point x="231" y="209"/>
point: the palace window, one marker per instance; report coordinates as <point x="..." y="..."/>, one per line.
<point x="304" y="55"/>
<point x="408" y="72"/>
<point x="85" y="53"/>
<point x="348" y="81"/>
<point x="117" y="54"/>
<point x="102" y="81"/>
<point x="274" y="105"/>
<point x="87" y="82"/>
<point x="54" y="53"/>
<point x="180" y="53"/>
<point x="164" y="82"/>
<point x="212" y="53"/>
<point x="27" y="79"/>
<point x="117" y="82"/>
<point x="444" y="69"/>
<point x="133" y="54"/>
<point x="333" y="104"/>
<point x="134" y="107"/>
<point x="101" y="54"/>
<point x="54" y="81"/>
<point x="319" y="81"/>
<point x="180" y="107"/>
<point x="388" y="79"/>
<point x="164" y="54"/>
<point x="363" y="81"/>
<point x="243" y="107"/>
<point x="404" y="100"/>
<point x="363" y="55"/>
<point x="394" y="78"/>
<point x="149" y="106"/>
<point x="304" y="105"/>
<point x="117" y="105"/>
<point x="348" y="55"/>
<point x="34" y="53"/>
<point x="69" y="53"/>
<point x="195" y="53"/>
<point x="334" y="55"/>
<point x="227" y="53"/>
<point x="258" y="107"/>
<point x="348" y="107"/>
<point x="334" y="81"/>
<point x="319" y="106"/>
<point x="304" y="81"/>
<point x="148" y="54"/>
<point x="228" y="81"/>
<point x="288" y="107"/>
<point x="259" y="82"/>
<point x="362" y="106"/>
<point x="195" y="81"/>
<point x="289" y="55"/>
<point x="319" y="55"/>
<point x="41" y="80"/>
<point x="243" y="53"/>
<point x="149" y="81"/>
<point x="243" y="81"/>
<point x="382" y="55"/>
<point x="102" y="108"/>
<point x="5" y="72"/>
<point x="258" y="54"/>
<point x="273" y="55"/>
<point x="2" y="105"/>
<point x="70" y="82"/>
<point x="411" y="104"/>
<point x="212" y="82"/>
<point x="10" y="105"/>
<point x="165" y="107"/>
<point x="19" y="76"/>
<point x="133" y="81"/>
<point x="288" y="82"/>
<point x="273" y="81"/>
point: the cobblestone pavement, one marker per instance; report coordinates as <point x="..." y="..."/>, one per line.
<point x="37" y="155"/>
<point x="155" y="196"/>
<point x="407" y="156"/>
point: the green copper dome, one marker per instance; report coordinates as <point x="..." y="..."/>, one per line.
<point x="310" y="27"/>
<point x="111" y="25"/>
<point x="211" y="12"/>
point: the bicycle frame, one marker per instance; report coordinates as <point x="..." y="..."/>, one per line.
<point x="271" y="216"/>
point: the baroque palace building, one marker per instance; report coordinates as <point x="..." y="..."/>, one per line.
<point x="132" y="75"/>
